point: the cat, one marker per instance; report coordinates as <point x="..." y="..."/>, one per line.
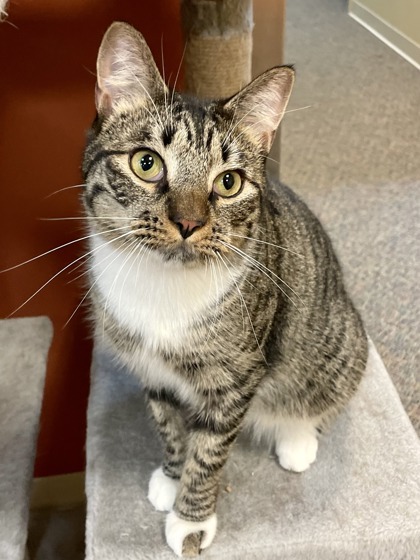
<point x="214" y="284"/>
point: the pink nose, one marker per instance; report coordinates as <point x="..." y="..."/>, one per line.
<point x="187" y="227"/>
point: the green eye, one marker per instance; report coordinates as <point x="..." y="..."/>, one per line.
<point x="147" y="165"/>
<point x="228" y="183"/>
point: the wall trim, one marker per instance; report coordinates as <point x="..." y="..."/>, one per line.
<point x="61" y="491"/>
<point x="387" y="33"/>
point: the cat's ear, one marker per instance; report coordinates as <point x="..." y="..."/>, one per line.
<point x="259" y="107"/>
<point x="126" y="70"/>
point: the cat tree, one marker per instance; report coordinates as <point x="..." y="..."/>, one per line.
<point x="359" y="501"/>
<point x="24" y="345"/>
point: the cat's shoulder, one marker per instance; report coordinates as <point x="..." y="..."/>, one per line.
<point x="281" y="198"/>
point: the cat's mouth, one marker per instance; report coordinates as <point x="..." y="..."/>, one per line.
<point x="182" y="252"/>
<point x="174" y="249"/>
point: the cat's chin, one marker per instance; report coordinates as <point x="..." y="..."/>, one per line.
<point x="182" y="254"/>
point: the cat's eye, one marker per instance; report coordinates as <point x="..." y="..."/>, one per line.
<point x="147" y="165"/>
<point x="227" y="184"/>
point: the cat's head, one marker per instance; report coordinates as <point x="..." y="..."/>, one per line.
<point x="176" y="175"/>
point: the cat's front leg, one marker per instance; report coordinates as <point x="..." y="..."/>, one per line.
<point x="210" y="440"/>
<point x="164" y="481"/>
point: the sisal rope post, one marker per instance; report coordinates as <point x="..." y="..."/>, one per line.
<point x="218" y="52"/>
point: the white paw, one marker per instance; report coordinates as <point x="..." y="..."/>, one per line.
<point x="177" y="529"/>
<point x="297" y="454"/>
<point x="162" y="490"/>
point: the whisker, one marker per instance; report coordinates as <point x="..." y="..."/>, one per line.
<point x="165" y="91"/>
<point x="257" y="123"/>
<point x="58" y="219"/>
<point x="246" y="307"/>
<point x="242" y="299"/>
<point x="176" y="80"/>
<point x="57" y="274"/>
<point x="262" y="268"/>
<point x="93" y="284"/>
<point x="89" y="71"/>
<point x="220" y="298"/>
<point x="236" y="124"/>
<point x="298" y="109"/>
<point x="144" y="250"/>
<point x="135" y="248"/>
<point x="87" y="257"/>
<point x="62" y="246"/>
<point x="267" y="243"/>
<point x="272" y="159"/>
<point x="82" y="263"/>
<point x="65" y="189"/>
<point x="231" y="124"/>
<point x="129" y="248"/>
<point x="226" y="138"/>
<point x="11" y="24"/>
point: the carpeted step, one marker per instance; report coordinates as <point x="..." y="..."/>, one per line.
<point x="360" y="500"/>
<point x="24" y="345"/>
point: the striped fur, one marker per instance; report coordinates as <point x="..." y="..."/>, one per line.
<point x="244" y="323"/>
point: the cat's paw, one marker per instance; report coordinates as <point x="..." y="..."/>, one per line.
<point x="162" y="490"/>
<point x="297" y="454"/>
<point x="178" y="529"/>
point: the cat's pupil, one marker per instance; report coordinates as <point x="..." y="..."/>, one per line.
<point x="147" y="162"/>
<point x="228" y="181"/>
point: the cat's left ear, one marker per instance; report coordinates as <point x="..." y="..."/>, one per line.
<point x="126" y="71"/>
<point x="260" y="106"/>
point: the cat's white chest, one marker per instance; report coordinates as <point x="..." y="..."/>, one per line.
<point x="153" y="298"/>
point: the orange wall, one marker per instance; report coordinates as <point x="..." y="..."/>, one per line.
<point x="48" y="52"/>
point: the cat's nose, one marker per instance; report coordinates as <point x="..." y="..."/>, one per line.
<point x="188" y="227"/>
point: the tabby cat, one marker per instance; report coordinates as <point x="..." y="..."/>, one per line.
<point x="215" y="285"/>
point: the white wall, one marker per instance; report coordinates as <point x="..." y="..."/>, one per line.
<point x="396" y="22"/>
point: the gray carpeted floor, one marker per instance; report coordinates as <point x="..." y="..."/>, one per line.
<point x="354" y="156"/>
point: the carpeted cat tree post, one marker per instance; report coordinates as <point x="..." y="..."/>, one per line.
<point x="218" y="51"/>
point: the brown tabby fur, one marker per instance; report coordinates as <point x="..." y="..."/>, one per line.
<point x="280" y="337"/>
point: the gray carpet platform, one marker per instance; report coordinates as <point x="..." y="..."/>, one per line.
<point x="360" y="500"/>
<point x="24" y="345"/>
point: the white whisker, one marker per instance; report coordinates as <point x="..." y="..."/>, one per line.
<point x="262" y="268"/>
<point x="267" y="243"/>
<point x="220" y="298"/>
<point x="176" y="80"/>
<point x="61" y="247"/>
<point x="129" y="248"/>
<point x="137" y="248"/>
<point x="58" y="219"/>
<point x="60" y="272"/>
<point x="65" y="189"/>
<point x="246" y="307"/>
<point x="298" y="109"/>
<point x="165" y="91"/>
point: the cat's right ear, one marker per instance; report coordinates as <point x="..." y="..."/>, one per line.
<point x="126" y="71"/>
<point x="259" y="107"/>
